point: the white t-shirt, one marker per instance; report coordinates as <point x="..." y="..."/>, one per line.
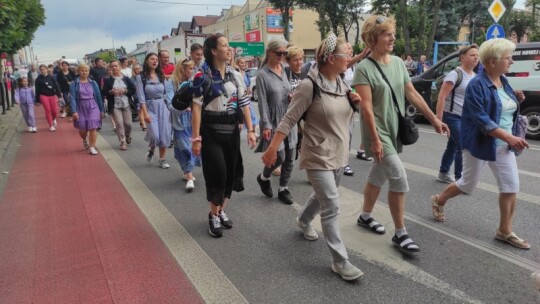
<point x="120" y="102"/>
<point x="459" y="96"/>
<point x="127" y="72"/>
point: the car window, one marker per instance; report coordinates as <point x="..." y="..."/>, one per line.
<point x="446" y="67"/>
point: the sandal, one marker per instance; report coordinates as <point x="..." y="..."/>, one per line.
<point x="512" y="239"/>
<point x="371" y="224"/>
<point x="85" y="145"/>
<point x="123" y="146"/>
<point x="348" y="171"/>
<point x="363" y="156"/>
<point x="405" y="244"/>
<point x="438" y="210"/>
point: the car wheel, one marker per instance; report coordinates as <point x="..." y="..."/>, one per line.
<point x="412" y="112"/>
<point x="533" y="122"/>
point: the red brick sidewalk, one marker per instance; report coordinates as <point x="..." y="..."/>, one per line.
<point x="70" y="232"/>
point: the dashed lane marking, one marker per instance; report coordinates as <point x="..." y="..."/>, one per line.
<point x="205" y="275"/>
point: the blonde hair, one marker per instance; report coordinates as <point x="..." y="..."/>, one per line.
<point x="294" y="51"/>
<point x="180" y="68"/>
<point x="82" y="66"/>
<point x="273" y="45"/>
<point x="319" y="53"/>
<point x="494" y="49"/>
<point x="374" y="26"/>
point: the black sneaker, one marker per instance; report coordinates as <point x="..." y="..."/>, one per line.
<point x="285" y="197"/>
<point x="226" y="223"/>
<point x="266" y="187"/>
<point x="238" y="184"/>
<point x="215" y="226"/>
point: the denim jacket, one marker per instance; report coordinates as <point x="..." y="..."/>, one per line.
<point x="74" y="91"/>
<point x="481" y="114"/>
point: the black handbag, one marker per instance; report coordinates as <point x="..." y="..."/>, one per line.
<point x="407" y="129"/>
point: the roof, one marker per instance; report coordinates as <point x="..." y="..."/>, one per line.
<point x="204" y="20"/>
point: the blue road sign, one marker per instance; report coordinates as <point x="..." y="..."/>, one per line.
<point x="495" y="31"/>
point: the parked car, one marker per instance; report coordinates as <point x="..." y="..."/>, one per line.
<point x="524" y="75"/>
<point x="252" y="73"/>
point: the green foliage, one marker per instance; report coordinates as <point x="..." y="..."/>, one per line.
<point x="520" y="23"/>
<point x="107" y="56"/>
<point x="19" y="20"/>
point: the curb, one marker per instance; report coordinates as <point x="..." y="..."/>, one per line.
<point x="9" y="123"/>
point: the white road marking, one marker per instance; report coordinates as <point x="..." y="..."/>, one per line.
<point x="210" y="282"/>
<point x="376" y="248"/>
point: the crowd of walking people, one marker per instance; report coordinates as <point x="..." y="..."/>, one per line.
<point x="306" y="110"/>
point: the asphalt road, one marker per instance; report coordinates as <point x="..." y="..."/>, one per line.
<point x="264" y="258"/>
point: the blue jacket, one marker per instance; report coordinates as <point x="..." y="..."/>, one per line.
<point x="481" y="114"/>
<point x="74" y="91"/>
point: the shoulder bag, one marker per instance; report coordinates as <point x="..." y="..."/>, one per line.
<point x="407" y="129"/>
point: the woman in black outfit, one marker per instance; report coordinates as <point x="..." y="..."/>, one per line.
<point x="65" y="77"/>
<point x="216" y="136"/>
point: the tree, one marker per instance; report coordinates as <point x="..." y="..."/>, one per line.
<point x="520" y="24"/>
<point x="285" y="6"/>
<point x="19" y="20"/>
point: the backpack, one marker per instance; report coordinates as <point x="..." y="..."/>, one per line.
<point x="439" y="84"/>
<point x="183" y="97"/>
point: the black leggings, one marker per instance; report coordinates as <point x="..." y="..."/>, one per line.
<point x="219" y="153"/>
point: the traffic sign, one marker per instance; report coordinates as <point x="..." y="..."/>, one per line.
<point x="495" y="31"/>
<point x="496" y="10"/>
<point x="247" y="48"/>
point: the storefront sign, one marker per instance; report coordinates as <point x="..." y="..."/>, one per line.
<point x="254" y="36"/>
<point x="251" y="22"/>
<point x="235" y="36"/>
<point x="274" y="20"/>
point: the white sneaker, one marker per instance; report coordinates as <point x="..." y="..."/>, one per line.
<point x="93" y="151"/>
<point x="52" y="129"/>
<point x="445" y="178"/>
<point x="34" y="130"/>
<point x="310" y="233"/>
<point x="536" y="280"/>
<point x="164" y="164"/>
<point x="348" y="272"/>
<point x="63" y="115"/>
<point x="30" y="129"/>
<point x="54" y="123"/>
<point x="190" y="185"/>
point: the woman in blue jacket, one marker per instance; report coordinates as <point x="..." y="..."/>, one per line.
<point x="489" y="137"/>
<point x="87" y="107"/>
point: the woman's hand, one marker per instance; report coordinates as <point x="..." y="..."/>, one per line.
<point x="102" y="115"/>
<point x="519" y="95"/>
<point x="147" y="118"/>
<point x="517" y="143"/>
<point x="377" y="150"/>
<point x="196" y="148"/>
<point x="269" y="157"/>
<point x="252" y="139"/>
<point x="354" y="97"/>
<point x="75" y="116"/>
<point x="267" y="133"/>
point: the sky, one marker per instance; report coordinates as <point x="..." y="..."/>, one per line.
<point x="74" y="28"/>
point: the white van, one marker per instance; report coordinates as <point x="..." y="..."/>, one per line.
<point x="524" y="75"/>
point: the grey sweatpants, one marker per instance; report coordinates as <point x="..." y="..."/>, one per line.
<point x="325" y="200"/>
<point x="122" y="118"/>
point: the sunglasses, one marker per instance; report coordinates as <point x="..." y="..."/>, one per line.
<point x="381" y="19"/>
<point x="281" y="54"/>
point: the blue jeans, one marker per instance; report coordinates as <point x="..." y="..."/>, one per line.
<point x="453" y="147"/>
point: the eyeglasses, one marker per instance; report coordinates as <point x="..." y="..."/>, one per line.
<point x="509" y="58"/>
<point x="381" y="19"/>
<point x="348" y="56"/>
<point x="281" y="54"/>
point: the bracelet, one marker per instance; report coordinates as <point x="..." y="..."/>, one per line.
<point x="251" y="131"/>
<point x="196" y="139"/>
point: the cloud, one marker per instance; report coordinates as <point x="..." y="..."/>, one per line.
<point x="74" y="28"/>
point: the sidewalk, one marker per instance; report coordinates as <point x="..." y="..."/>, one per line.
<point x="71" y="233"/>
